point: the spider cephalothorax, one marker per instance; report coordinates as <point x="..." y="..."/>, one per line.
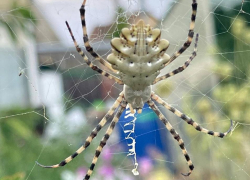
<point x="136" y="60"/>
<point x="138" y="56"/>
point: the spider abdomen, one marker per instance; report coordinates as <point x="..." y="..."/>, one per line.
<point x="138" y="55"/>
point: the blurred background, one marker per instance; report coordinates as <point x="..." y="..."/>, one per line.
<point x="50" y="100"/>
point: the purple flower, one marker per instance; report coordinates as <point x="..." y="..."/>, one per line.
<point x="145" y="165"/>
<point x="107" y="171"/>
<point x="81" y="172"/>
<point x="107" y="155"/>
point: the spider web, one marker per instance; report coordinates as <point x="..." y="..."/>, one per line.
<point x="51" y="100"/>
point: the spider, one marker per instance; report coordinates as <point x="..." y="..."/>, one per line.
<point x="136" y="60"/>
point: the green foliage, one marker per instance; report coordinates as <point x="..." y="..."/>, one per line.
<point x="233" y="73"/>
<point x="233" y="38"/>
<point x="18" y="134"/>
<point x="121" y="23"/>
<point x="18" y="19"/>
<point x="17" y="176"/>
<point x="228" y="100"/>
<point x="22" y="144"/>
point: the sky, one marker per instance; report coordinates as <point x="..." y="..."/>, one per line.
<point x="98" y="12"/>
<point x="101" y="13"/>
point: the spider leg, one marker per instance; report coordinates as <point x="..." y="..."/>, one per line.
<point x="190" y="120"/>
<point x="91" y="136"/>
<point x="86" y="40"/>
<point x="181" y="68"/>
<point x="175" y="135"/>
<point x="89" y="63"/>
<point x="190" y="35"/>
<point x="105" y="139"/>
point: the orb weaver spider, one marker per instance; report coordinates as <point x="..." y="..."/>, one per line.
<point x="137" y="57"/>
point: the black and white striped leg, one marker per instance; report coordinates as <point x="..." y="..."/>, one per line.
<point x="190" y="120"/>
<point x="89" y="63"/>
<point x="181" y="68"/>
<point x="91" y="136"/>
<point x="190" y="35"/>
<point x="105" y="139"/>
<point x="175" y="135"/>
<point x="86" y="40"/>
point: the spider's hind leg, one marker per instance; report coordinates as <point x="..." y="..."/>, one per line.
<point x="190" y="120"/>
<point x="105" y="138"/>
<point x="91" y="136"/>
<point x="175" y="135"/>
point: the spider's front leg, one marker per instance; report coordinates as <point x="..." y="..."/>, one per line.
<point x="183" y="67"/>
<point x="190" y="35"/>
<point x="89" y="63"/>
<point x="190" y="120"/>
<point x="175" y="135"/>
<point x="86" y="40"/>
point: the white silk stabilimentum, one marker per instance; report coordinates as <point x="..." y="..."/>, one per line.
<point x="129" y="135"/>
